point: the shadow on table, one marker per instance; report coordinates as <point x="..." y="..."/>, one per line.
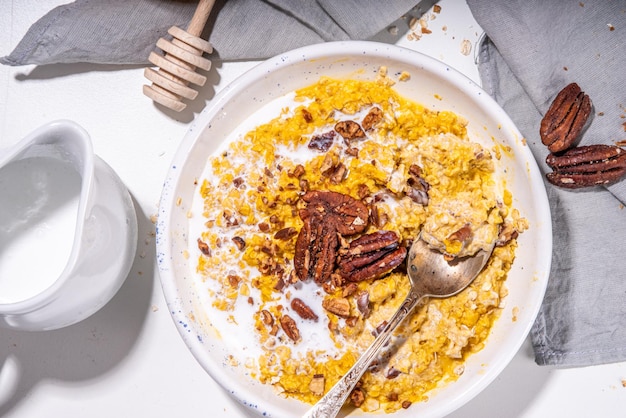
<point x="512" y="391"/>
<point x="205" y="93"/>
<point x="88" y="349"/>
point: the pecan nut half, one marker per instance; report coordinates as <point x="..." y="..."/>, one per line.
<point x="585" y="166"/>
<point x="288" y="324"/>
<point x="302" y="309"/>
<point x="565" y="118"/>
<point x="371" y="256"/>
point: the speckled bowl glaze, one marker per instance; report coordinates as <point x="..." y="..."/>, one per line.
<point x="432" y="84"/>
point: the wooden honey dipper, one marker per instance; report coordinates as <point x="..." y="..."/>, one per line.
<point x="170" y="83"/>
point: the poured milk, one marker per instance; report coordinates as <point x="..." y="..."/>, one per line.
<point x="38" y="211"/>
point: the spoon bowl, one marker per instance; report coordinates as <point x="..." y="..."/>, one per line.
<point x="434" y="275"/>
<point x="431" y="274"/>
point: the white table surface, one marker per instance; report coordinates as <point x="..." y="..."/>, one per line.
<point x="127" y="360"/>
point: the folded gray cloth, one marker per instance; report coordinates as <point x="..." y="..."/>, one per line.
<point x="532" y="50"/>
<point x="125" y="32"/>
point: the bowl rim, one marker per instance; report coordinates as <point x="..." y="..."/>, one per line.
<point x="330" y="50"/>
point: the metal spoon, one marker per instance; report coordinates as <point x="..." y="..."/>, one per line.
<point x="431" y="275"/>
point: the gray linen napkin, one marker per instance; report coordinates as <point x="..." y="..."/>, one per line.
<point x="125" y="32"/>
<point x="532" y="50"/>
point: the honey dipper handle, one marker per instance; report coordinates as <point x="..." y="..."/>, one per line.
<point x="200" y="16"/>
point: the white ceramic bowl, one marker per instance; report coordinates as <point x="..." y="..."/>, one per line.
<point x="436" y="86"/>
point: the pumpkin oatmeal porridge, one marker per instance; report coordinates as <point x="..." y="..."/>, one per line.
<point x="306" y="224"/>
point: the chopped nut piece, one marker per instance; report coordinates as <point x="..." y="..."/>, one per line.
<point x="379" y="328"/>
<point x="357" y="397"/>
<point x="349" y="129"/>
<point x="351" y="321"/>
<point x="264" y="227"/>
<point x="290" y="327"/>
<point x="507" y="233"/>
<point x="406" y="404"/>
<point x="338" y="306"/>
<point x="370" y="120"/>
<point x="234" y="280"/>
<point x="392" y="373"/>
<point x="462" y="234"/>
<point x="349" y="290"/>
<point x="280" y="284"/>
<point x="204" y="248"/>
<point x="286" y="234"/>
<point x="363" y="303"/>
<point x="322" y="142"/>
<point x="339" y="173"/>
<point x="317" y="384"/>
<point x="267" y="317"/>
<point x="239" y="243"/>
<point x="237" y="182"/>
<point x="298" y="171"/>
<point x="308" y="118"/>
<point x="303" y="309"/>
<point x="328" y="164"/>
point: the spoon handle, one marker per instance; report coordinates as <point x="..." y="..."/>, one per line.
<point x="331" y="403"/>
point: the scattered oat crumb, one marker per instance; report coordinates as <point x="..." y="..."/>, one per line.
<point x="624" y="126"/>
<point x="611" y="27"/>
<point x="153" y="218"/>
<point x="524" y="141"/>
<point x="515" y="313"/>
<point x="466" y="47"/>
<point x="179" y="201"/>
<point x="437" y="8"/>
<point x="140" y="273"/>
<point x="444" y="28"/>
<point x="382" y="78"/>
<point x="426" y="31"/>
<point x="413" y="23"/>
<point x="600" y="113"/>
<point x="621" y="206"/>
<point x="189" y="215"/>
<point x="565" y="68"/>
<point x="406" y="76"/>
<point x="186" y="254"/>
<point x="581" y="4"/>
<point x="413" y="36"/>
<point x="624" y="383"/>
<point x="142" y="255"/>
<point x="393" y="30"/>
<point x="155" y="308"/>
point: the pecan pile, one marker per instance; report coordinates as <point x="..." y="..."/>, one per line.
<point x="329" y="217"/>
<point x="573" y="166"/>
